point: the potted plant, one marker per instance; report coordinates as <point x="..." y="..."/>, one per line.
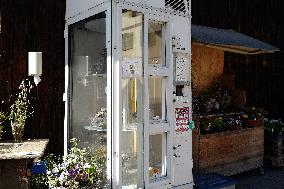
<point x="2" y="119"/>
<point x="20" y="110"/>
<point x="81" y="168"/>
<point x="212" y="125"/>
<point x="233" y="122"/>
<point x="252" y="117"/>
<point x="218" y="124"/>
<point x="274" y="128"/>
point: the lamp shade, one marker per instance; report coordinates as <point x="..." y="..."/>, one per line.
<point x="35" y="63"/>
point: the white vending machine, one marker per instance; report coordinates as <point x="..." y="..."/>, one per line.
<point x="128" y="89"/>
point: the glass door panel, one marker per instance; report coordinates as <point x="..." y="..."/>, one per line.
<point x="157" y="157"/>
<point x="132" y="99"/>
<point x="156" y="43"/>
<point x="158" y="83"/>
<point x="88" y="86"/>
<point x="157" y="99"/>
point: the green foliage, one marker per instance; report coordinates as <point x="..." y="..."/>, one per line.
<point x="220" y="124"/>
<point x="217" y="124"/>
<point x="2" y="119"/>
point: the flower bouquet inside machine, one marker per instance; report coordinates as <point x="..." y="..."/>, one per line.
<point x="99" y="120"/>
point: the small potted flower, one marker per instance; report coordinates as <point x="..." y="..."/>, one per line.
<point x="218" y="124"/>
<point x="233" y="123"/>
<point x="252" y="117"/>
<point x="212" y="125"/>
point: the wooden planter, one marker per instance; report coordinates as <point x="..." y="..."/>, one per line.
<point x="228" y="152"/>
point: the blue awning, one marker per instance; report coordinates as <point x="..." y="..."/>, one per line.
<point x="229" y="40"/>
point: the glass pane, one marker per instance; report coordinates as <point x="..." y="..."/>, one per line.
<point x="88" y="119"/>
<point x="132" y="35"/>
<point x="156" y="43"/>
<point x="157" y="156"/>
<point x="132" y="100"/>
<point x="157" y="98"/>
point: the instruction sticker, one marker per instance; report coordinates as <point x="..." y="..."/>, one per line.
<point x="182" y="119"/>
<point x="132" y="67"/>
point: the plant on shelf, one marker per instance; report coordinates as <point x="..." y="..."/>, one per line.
<point x="2" y="119"/>
<point x="233" y="122"/>
<point x="214" y="125"/>
<point x="252" y="117"/>
<point x="99" y="120"/>
<point x="213" y="100"/>
<point x="20" y="110"/>
<point x="80" y="168"/>
<point x="218" y="124"/>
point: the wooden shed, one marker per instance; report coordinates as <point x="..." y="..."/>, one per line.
<point x="232" y="148"/>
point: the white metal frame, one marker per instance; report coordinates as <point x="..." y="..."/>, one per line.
<point x="166" y="129"/>
<point x="114" y="74"/>
<point x="165" y="70"/>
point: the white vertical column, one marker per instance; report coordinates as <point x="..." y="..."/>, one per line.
<point x="146" y="105"/>
<point x="170" y="89"/>
<point x="109" y="91"/>
<point x="116" y="96"/>
<point x="66" y="93"/>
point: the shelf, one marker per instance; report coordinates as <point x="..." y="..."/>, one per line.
<point x="93" y="76"/>
<point x="94" y="128"/>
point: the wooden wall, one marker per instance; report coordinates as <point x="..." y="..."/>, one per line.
<point x="31" y="25"/>
<point x="207" y="66"/>
<point x="261" y="75"/>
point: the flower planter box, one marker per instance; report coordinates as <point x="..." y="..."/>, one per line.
<point x="229" y="152"/>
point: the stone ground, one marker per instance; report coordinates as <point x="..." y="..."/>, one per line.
<point x="271" y="179"/>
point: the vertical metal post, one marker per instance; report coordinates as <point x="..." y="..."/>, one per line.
<point x="116" y="97"/>
<point x="109" y="92"/>
<point x="66" y="94"/>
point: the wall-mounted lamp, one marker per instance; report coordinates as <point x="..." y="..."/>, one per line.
<point x="35" y="66"/>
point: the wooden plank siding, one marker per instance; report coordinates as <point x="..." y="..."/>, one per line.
<point x="230" y="152"/>
<point x="32" y="25"/>
<point x="261" y="75"/>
